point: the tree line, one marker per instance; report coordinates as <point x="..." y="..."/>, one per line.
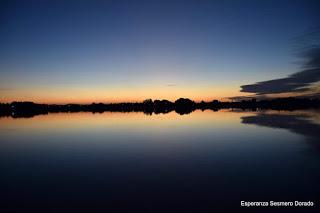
<point x="181" y="106"/>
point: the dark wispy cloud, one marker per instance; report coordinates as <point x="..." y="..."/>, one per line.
<point x="171" y="85"/>
<point x="4" y="89"/>
<point x="297" y="82"/>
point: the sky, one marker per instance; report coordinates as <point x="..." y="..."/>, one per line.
<point x="113" y="51"/>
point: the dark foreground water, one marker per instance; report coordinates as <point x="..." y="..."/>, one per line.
<point x="167" y="162"/>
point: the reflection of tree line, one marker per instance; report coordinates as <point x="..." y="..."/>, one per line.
<point x="181" y="106"/>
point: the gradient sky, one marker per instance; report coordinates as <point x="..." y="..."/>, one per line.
<point x="106" y="51"/>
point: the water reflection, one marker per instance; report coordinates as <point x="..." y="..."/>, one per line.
<point x="198" y="162"/>
<point x="305" y="123"/>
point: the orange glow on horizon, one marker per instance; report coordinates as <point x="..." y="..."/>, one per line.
<point x="116" y="95"/>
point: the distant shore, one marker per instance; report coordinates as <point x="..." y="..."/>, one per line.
<point x="181" y="106"/>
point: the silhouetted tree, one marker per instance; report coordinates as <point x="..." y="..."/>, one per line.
<point x="184" y="106"/>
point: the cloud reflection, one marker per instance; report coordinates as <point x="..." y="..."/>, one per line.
<point x="303" y="123"/>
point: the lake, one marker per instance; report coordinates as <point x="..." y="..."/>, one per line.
<point x="196" y="162"/>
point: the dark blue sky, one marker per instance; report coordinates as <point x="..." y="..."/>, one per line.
<point x="120" y="50"/>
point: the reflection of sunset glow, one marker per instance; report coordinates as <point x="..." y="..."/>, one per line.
<point x="123" y="120"/>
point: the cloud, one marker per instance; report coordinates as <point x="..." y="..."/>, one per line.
<point x="299" y="82"/>
<point x="4" y="89"/>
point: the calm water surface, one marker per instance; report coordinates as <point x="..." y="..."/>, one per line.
<point x="122" y="161"/>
